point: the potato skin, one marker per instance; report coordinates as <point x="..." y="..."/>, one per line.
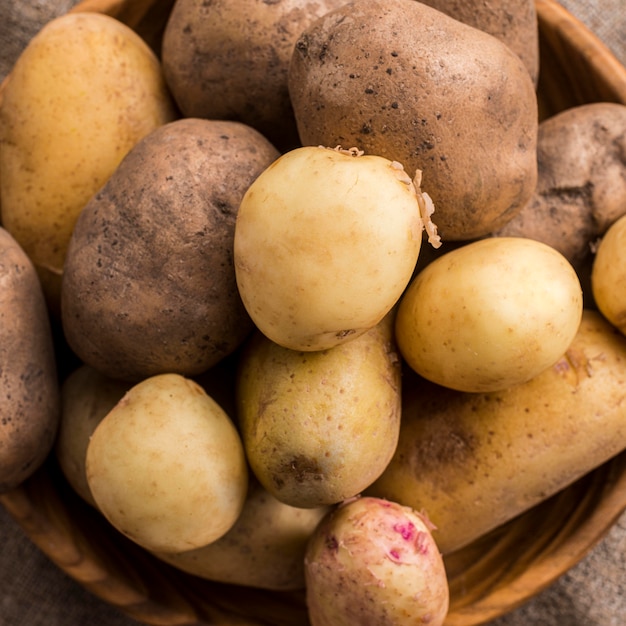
<point x="149" y="284"/>
<point x="81" y="94"/>
<point x="474" y="461"/>
<point x="581" y="180"/>
<point x="228" y="59"/>
<point x="511" y="21"/>
<point x="318" y="427"/>
<point x="386" y="77"/>
<point x="264" y="549"/>
<point x="29" y="402"/>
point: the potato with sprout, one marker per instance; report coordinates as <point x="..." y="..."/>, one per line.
<point x="326" y="241"/>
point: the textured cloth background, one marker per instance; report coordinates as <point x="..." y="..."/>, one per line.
<point x="33" y="592"/>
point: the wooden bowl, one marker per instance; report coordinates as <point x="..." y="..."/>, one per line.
<point x="492" y="576"/>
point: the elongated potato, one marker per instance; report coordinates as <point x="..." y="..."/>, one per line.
<point x="29" y="391"/>
<point x="474" y="461"/>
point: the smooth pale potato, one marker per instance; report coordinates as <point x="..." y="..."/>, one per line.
<point x="372" y="561"/>
<point x="402" y="80"/>
<point x="228" y="59"/>
<point x="319" y="427"/>
<point x="326" y="241"/>
<point x="473" y="461"/>
<point x="81" y="94"/>
<point x="581" y="183"/>
<point x="87" y="396"/>
<point x="264" y="549"/>
<point x="489" y="315"/>
<point x="608" y="275"/>
<point x="513" y="22"/>
<point x="29" y="388"/>
<point x="149" y="285"/>
<point x="166" y="466"/>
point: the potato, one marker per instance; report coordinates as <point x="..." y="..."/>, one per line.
<point x="371" y="561"/>
<point x="511" y="21"/>
<point x="264" y="549"/>
<point x="149" y="284"/>
<point x="87" y="396"/>
<point x="319" y="427"/>
<point x="608" y="274"/>
<point x="228" y="59"/>
<point x="29" y="402"/>
<point x="581" y="185"/>
<point x="166" y="466"/>
<point x="404" y="81"/>
<point x="489" y="315"/>
<point x="473" y="461"/>
<point x="81" y="94"/>
<point x="326" y="240"/>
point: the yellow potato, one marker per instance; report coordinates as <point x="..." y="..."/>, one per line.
<point x="608" y="275"/>
<point x="325" y="243"/>
<point x="319" y="427"/>
<point x="264" y="549"/>
<point x="80" y="95"/>
<point x="166" y="466"/>
<point x="490" y="314"/>
<point x="473" y="461"/>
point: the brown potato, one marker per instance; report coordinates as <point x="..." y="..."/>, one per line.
<point x="581" y="184"/>
<point x="228" y="59"/>
<point x="29" y="402"/>
<point x="511" y="21"/>
<point x="402" y="80"/>
<point x="149" y="283"/>
<point x="474" y="461"/>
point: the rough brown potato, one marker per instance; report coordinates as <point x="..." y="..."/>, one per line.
<point x="29" y="398"/>
<point x="581" y="183"/>
<point x="228" y="59"/>
<point x="511" y="21"/>
<point x="404" y="81"/>
<point x="149" y="284"/>
<point x="474" y="461"/>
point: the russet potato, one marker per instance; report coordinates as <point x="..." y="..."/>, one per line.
<point x="149" y="284"/>
<point x="409" y="83"/>
<point x="228" y="59"/>
<point x="81" y="94"/>
<point x="29" y="388"/>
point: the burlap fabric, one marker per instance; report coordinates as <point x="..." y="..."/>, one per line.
<point x="34" y="592"/>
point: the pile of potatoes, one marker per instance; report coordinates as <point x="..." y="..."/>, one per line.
<point x="311" y="298"/>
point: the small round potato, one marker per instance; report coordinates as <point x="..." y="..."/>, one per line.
<point x="373" y="561"/>
<point x="326" y="241"/>
<point x="490" y="314"/>
<point x="166" y="466"/>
